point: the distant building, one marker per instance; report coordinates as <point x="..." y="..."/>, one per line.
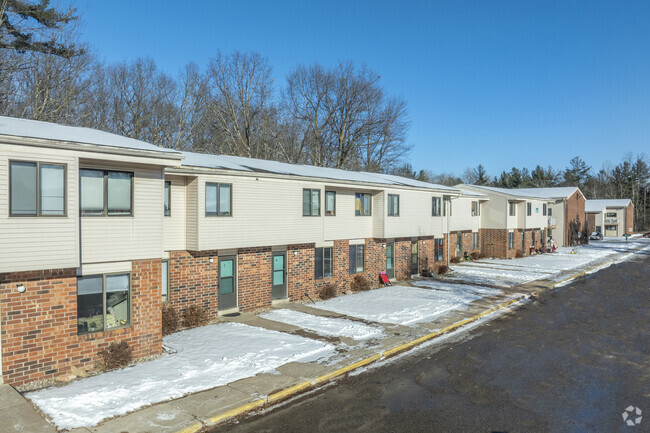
<point x="613" y="217"/>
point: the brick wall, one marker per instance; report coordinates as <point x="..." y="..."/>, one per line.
<point x="591" y="222"/>
<point x="403" y="258"/>
<point x="300" y="271"/>
<point x="194" y="280"/>
<point x="254" y="278"/>
<point x="575" y="213"/>
<point x="494" y="243"/>
<point x="39" y="327"/>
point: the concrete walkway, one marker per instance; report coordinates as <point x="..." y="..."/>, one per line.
<point x="193" y="412"/>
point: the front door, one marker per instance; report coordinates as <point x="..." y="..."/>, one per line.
<point x="279" y="288"/>
<point x="523" y="241"/>
<point x="390" y="259"/>
<point x="227" y="282"/>
<point x="459" y="243"/>
<point x="414" y="257"/>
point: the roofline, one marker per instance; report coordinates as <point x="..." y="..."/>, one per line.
<point x="193" y="170"/>
<point x="89" y="147"/>
<point x="519" y="197"/>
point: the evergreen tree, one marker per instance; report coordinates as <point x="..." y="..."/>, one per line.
<point x="577" y="173"/>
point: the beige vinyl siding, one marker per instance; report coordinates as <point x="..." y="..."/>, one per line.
<point x="192" y="213"/>
<point x="346" y="225"/>
<point x="462" y="218"/>
<point x="537" y="219"/>
<point x="265" y="211"/>
<point x="494" y="214"/>
<point x="378" y="218"/>
<point x="175" y="230"/>
<point x="35" y="243"/>
<point x="415" y="217"/>
<point x="117" y="238"/>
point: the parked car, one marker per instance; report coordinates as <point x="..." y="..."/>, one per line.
<point x="646" y="235"/>
<point x="596" y="236"/>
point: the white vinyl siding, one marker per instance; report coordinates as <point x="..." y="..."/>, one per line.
<point x="175" y="223"/>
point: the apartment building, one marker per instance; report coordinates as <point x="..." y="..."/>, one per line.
<point x="511" y="220"/>
<point x="611" y="218"/>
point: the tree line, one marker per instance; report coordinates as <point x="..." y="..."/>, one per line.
<point x="338" y="116"/>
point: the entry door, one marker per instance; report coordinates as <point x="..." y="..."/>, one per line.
<point x="414" y="258"/>
<point x="459" y="243"/>
<point x="227" y="282"/>
<point x="523" y="241"/>
<point x="390" y="259"/>
<point x="279" y="289"/>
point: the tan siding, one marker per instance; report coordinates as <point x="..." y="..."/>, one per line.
<point x="175" y="230"/>
<point x="127" y="238"/>
<point x="191" y="212"/>
<point x="34" y="243"/>
<point x="415" y="217"/>
<point x="462" y="218"/>
<point x="378" y="216"/>
<point x="346" y="225"/>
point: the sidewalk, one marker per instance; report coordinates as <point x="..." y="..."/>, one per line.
<point x="194" y="411"/>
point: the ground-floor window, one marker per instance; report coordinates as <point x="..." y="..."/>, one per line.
<point x="610" y="228"/>
<point x="164" y="284"/>
<point x="103" y="302"/>
<point x="357" y="258"/>
<point x="323" y="263"/>
<point x="439" y="250"/>
<point x="511" y="240"/>
<point x="475" y="240"/>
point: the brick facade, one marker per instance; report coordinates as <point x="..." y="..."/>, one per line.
<point x="193" y="280"/>
<point x="254" y="285"/>
<point x="591" y="222"/>
<point x="575" y="217"/>
<point x="39" y="327"/>
<point x="629" y="219"/>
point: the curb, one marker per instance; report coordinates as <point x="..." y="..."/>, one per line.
<point x="297" y="389"/>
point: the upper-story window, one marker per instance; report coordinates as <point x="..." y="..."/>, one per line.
<point x="330" y="203"/>
<point x="311" y="202"/>
<point x="512" y="208"/>
<point x="549" y="211"/>
<point x="529" y="209"/>
<point x="362" y="204"/>
<point x="37" y="189"/>
<point x="476" y="209"/>
<point x="105" y="192"/>
<point x="168" y="198"/>
<point x="393" y="205"/>
<point x="544" y="208"/>
<point x="218" y="199"/>
<point x="610" y="215"/>
<point x="436" y="206"/>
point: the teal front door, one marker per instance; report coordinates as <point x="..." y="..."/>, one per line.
<point x="227" y="282"/>
<point x="279" y="276"/>
<point x="390" y="260"/>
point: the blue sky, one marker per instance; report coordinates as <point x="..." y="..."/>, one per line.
<point x="500" y="83"/>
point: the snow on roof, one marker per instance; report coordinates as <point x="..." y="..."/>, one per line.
<point x="473" y="194"/>
<point x="599" y="205"/>
<point x="508" y="191"/>
<point x="252" y="165"/>
<point x="552" y="192"/>
<point x="52" y="131"/>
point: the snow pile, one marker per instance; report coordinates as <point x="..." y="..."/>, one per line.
<point x="327" y="326"/>
<point x="206" y="357"/>
<point x="406" y="305"/>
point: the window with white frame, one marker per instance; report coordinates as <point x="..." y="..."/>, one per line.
<point x="167" y="198"/>
<point x="436" y="206"/>
<point x="549" y="211"/>
<point x="476" y="210"/>
<point x="218" y="199"/>
<point x="512" y="208"/>
<point x="330" y="203"/>
<point x="105" y="192"/>
<point x="164" y="278"/>
<point x="103" y="302"/>
<point x="323" y="262"/>
<point x="610" y="215"/>
<point x="393" y="205"/>
<point x="362" y="204"/>
<point x="529" y="209"/>
<point x="311" y="202"/>
<point x="357" y="258"/>
<point x="544" y="207"/>
<point x="37" y="189"/>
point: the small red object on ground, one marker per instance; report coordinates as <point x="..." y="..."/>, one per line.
<point x="384" y="278"/>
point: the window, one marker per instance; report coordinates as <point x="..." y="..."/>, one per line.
<point x="330" y="203"/>
<point x="164" y="278"/>
<point x="610" y="228"/>
<point x="475" y="240"/>
<point x="311" y="202"/>
<point x="476" y="210"/>
<point x="393" y="205"/>
<point x="529" y="209"/>
<point x="168" y="198"/>
<point x="37" y="189"/>
<point x="103" y="302"/>
<point x="362" y="204"/>
<point x="439" y="250"/>
<point x="599" y="229"/>
<point x="610" y="215"/>
<point x="436" y="206"/>
<point x="511" y="240"/>
<point x="323" y="263"/>
<point x="357" y="260"/>
<point x="544" y="209"/>
<point x="218" y="199"/>
<point x="512" y="208"/>
<point x="549" y="211"/>
<point x="106" y="193"/>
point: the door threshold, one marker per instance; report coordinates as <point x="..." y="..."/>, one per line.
<point x="275" y="302"/>
<point x="228" y="311"/>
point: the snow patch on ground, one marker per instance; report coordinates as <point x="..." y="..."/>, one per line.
<point x="406" y="305"/>
<point x="327" y="326"/>
<point x="206" y="357"/>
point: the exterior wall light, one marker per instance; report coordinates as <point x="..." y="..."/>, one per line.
<point x="21" y="288"/>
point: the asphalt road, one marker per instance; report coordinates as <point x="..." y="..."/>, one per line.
<point x="570" y="361"/>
